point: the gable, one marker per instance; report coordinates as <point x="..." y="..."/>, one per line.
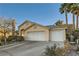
<point x="28" y="24"/>
<point x="25" y="25"/>
<point x="37" y="27"/>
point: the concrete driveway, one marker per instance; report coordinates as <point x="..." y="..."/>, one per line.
<point x="26" y="49"/>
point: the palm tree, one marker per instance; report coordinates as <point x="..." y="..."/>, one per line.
<point x="74" y="9"/>
<point x="65" y="8"/>
<point x="59" y="22"/>
<point x="77" y="14"/>
<point x="69" y="7"/>
<point x="73" y="15"/>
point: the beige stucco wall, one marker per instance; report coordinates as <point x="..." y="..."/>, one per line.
<point x="24" y="26"/>
<point x="38" y="28"/>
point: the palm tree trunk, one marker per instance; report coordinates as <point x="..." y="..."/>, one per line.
<point x="73" y="16"/>
<point x="77" y="22"/>
<point x="66" y="18"/>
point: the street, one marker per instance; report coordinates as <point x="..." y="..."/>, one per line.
<point x="26" y="49"/>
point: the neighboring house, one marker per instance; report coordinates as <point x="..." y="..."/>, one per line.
<point x="36" y="32"/>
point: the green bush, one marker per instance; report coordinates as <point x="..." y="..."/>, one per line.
<point x="76" y="35"/>
<point x="76" y="30"/>
<point x="50" y="51"/>
<point x="2" y="40"/>
<point x="67" y="36"/>
<point x="11" y="38"/>
<point x="20" y="38"/>
<point x="15" y="38"/>
<point x="77" y="49"/>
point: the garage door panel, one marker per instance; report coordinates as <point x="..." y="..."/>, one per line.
<point x="57" y="35"/>
<point x="36" y="36"/>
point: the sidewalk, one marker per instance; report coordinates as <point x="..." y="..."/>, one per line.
<point x="11" y="45"/>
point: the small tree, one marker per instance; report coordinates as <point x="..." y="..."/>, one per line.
<point x="5" y="26"/>
<point x="58" y="22"/>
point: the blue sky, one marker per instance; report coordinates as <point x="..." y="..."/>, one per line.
<point x="46" y="14"/>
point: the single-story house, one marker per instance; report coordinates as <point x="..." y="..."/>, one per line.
<point x="35" y="32"/>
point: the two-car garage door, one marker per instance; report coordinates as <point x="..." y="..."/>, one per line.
<point x="36" y="36"/>
<point x="57" y="35"/>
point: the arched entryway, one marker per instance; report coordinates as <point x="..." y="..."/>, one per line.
<point x="22" y="32"/>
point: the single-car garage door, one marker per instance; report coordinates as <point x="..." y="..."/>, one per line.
<point x="36" y="36"/>
<point x="57" y="35"/>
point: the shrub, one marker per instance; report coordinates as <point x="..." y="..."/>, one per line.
<point x="77" y="49"/>
<point x="11" y="38"/>
<point x="67" y="36"/>
<point x="75" y="34"/>
<point x="50" y="51"/>
<point x="53" y="51"/>
<point x="2" y="40"/>
<point x="60" y="52"/>
<point x="76" y="30"/>
<point x="15" y="38"/>
<point x="20" y="38"/>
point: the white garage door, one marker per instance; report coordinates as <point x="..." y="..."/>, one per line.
<point x="58" y="35"/>
<point x="36" y="36"/>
